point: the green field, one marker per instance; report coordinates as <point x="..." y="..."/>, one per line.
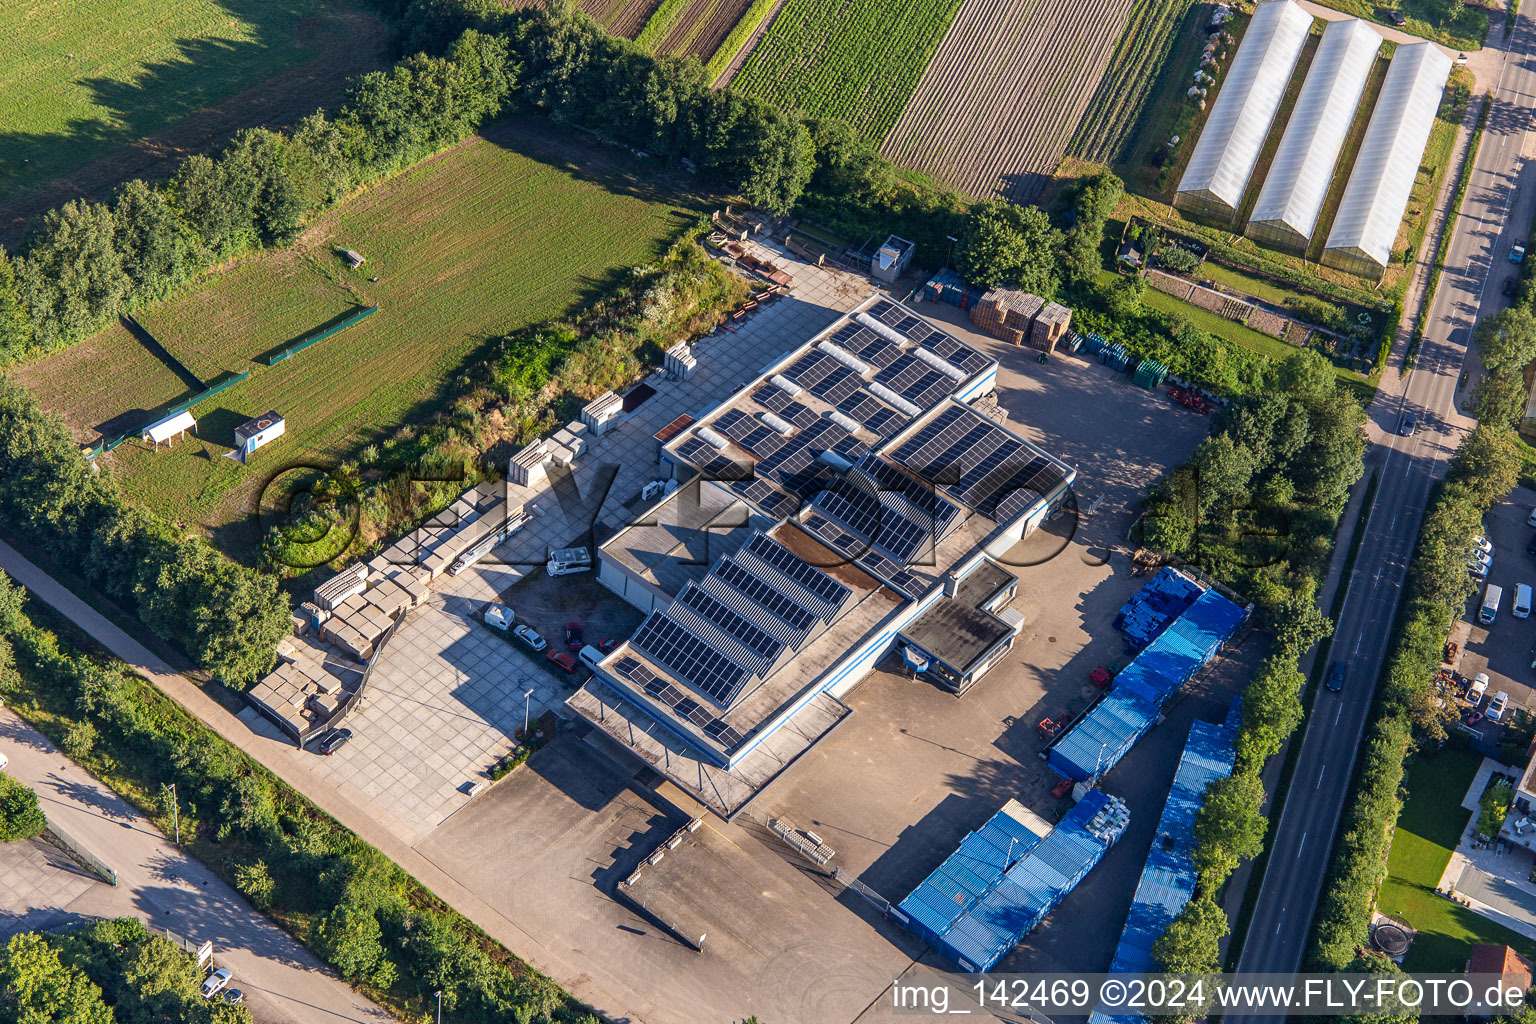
<point x="858" y="60"/>
<point x="1464" y="26"/>
<point x="79" y="78"/>
<point x="1427" y="833"/>
<point x="492" y="235"/>
<point x="1109" y="124"/>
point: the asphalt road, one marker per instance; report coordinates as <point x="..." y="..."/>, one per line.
<point x="1470" y="286"/>
<point x="282" y="981"/>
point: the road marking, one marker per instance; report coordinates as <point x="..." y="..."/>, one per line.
<point x="1320" y="776"/>
<point x="1301" y="845"/>
<point x="1338" y="713"/>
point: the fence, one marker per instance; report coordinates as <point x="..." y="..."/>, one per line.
<point x="88" y="860"/>
<point x="319" y="336"/>
<point x="207" y="393"/>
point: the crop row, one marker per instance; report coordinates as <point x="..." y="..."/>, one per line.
<point x="858" y="60"/>
<point x="993" y="113"/>
<point x="740" y="35"/>
<point x="1150" y="33"/>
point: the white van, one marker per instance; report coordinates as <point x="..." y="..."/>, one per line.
<point x="1491" y="598"/>
<point x="1522" y="608"/>
<point x="564" y="561"/>
<point x="590" y="656"/>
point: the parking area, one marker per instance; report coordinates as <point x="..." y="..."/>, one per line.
<point x="1506" y="648"/>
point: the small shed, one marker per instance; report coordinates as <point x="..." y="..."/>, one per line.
<point x="172" y="426"/>
<point x="891" y="259"/>
<point x="353" y="257"/>
<point x="252" y="434"/>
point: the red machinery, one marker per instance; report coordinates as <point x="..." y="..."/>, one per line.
<point x="1100" y="677"/>
<point x="1190" y="399"/>
<point x="1061" y="789"/>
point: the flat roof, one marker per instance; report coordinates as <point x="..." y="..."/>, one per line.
<point x="956" y="629"/>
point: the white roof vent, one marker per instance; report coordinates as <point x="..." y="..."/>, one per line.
<point x="894" y="337"/>
<point x="890" y="397"/>
<point x="711" y="438"/>
<point x="777" y="424"/>
<point x="938" y="364"/>
<point x="785" y="385"/>
<point x="848" y="423"/>
<point x="844" y="356"/>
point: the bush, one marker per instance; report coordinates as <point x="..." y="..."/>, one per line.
<point x="21" y="817"/>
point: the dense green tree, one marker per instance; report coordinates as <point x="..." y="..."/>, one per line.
<point x="20" y="815"/>
<point x="1299" y="624"/>
<point x="1192" y="943"/>
<point x="1271" y="710"/>
<point x="1499" y="399"/>
<point x="158" y="249"/>
<point x="15" y="321"/>
<point x="36" y="988"/>
<point x="1225" y="468"/>
<point x="1009" y="246"/>
<point x="1507" y="340"/>
<point x="1487" y="462"/>
<point x="72" y="279"/>
<point x="1229" y="827"/>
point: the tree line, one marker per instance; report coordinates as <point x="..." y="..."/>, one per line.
<point x="1256" y="507"/>
<point x="228" y="618"/>
<point x="351" y="905"/>
<point x="110" y="972"/>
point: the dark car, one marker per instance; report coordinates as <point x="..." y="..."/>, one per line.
<point x="1530" y="548"/>
<point x="561" y="660"/>
<point x="1398" y="19"/>
<point x="607" y="644"/>
<point x="1409" y="424"/>
<point x="1336" y="676"/>
<point x="234" y="996"/>
<point x="573" y="640"/>
<point x="333" y="741"/>
<point x="1509" y="285"/>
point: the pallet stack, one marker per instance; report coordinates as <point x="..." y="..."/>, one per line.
<point x="1007" y="314"/>
<point x="1050" y="326"/>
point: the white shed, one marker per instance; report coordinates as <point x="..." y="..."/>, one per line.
<point x="173" y="426"/>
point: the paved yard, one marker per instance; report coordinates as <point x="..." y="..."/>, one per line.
<point x="1506" y="649"/>
<point x="38" y="886"/>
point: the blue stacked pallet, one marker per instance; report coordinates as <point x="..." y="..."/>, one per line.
<point x="1150" y="609"/>
<point x="1168" y="878"/>
<point x="1028" y="876"/>
<point x="1093" y="343"/>
<point x="1102" y="736"/>
<point x="1115" y="357"/>
<point x="948" y="286"/>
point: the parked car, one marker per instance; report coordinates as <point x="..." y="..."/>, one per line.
<point x="526" y="634"/>
<point x="1530" y="548"/>
<point x="215" y="981"/>
<point x="1477" y="689"/>
<point x="1336" y="676"/>
<point x="1530" y="520"/>
<point x="1479" y="567"/>
<point x="1397" y="18"/>
<point x="4" y="761"/>
<point x="1497" y="705"/>
<point x="608" y="643"/>
<point x="1517" y="253"/>
<point x="234" y="996"/>
<point x="561" y="660"/>
<point x="1408" y="424"/>
<point x="333" y="741"/>
<point x="1509" y="285"/>
<point x="573" y="640"/>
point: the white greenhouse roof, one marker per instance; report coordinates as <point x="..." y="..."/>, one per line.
<point x="1377" y="194"/>
<point x="1303" y="166"/>
<point x="1245" y="106"/>
<point x="169" y="427"/>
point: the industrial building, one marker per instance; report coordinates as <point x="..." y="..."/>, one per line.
<point x="847" y="502"/>
<point x="1168" y="879"/>
<point x="1183" y="645"/>
<point x="1228" y="147"/>
<point x="1006" y="876"/>
<point x="1371" y="209"/>
<point x="1297" y="184"/>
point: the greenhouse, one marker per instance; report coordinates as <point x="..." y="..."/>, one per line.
<point x="1371" y="209"/>
<point x="1303" y="167"/>
<point x="1228" y="148"/>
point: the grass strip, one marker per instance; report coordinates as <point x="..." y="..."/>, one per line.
<point x="660" y="24"/>
<point x="740" y="33"/>
<point x="1446" y="231"/>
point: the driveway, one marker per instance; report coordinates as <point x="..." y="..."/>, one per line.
<point x="282" y="981"/>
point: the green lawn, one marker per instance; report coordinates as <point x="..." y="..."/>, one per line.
<point x="1427" y="832"/>
<point x="79" y="78"/>
<point x="1464" y="26"/>
<point x="492" y="235"/>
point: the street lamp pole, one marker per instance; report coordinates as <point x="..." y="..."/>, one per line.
<point x="439" y="994"/>
<point x="175" y="810"/>
<point x="527" y="700"/>
<point x="950" y="251"/>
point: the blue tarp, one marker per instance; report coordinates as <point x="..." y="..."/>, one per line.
<point x="1168" y="879"/>
<point x="1103" y="735"/>
<point x="1154" y="606"/>
<point x="975" y="930"/>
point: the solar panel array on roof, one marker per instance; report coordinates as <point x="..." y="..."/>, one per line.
<point x="1251" y="90"/>
<point x="902" y="320"/>
<point x="687" y="656"/>
<point x="883" y="508"/>
<point x="1168" y="877"/>
<point x="979" y="462"/>
<point x="866" y="344"/>
<point x="1100" y="738"/>
<point x="826" y="595"/>
<point x="765" y="496"/>
<point x="771" y="397"/>
<point x="1001" y="900"/>
<point x="754" y="589"/>
<point x="711" y="462"/>
<point x="916" y="381"/>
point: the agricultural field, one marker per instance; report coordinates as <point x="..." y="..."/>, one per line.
<point x="859" y="60"/>
<point x="697" y="27"/>
<point x="618" y="17"/>
<point x="996" y="107"/>
<point x="494" y="234"/>
<point x="1152" y="29"/>
<point x="97" y="91"/>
